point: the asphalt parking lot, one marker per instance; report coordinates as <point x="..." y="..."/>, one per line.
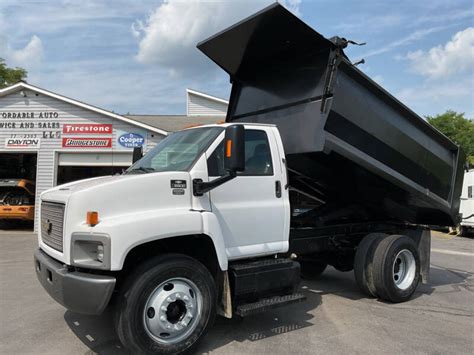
<point x="335" y="318"/>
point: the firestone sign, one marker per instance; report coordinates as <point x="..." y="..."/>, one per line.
<point x="87" y="129"/>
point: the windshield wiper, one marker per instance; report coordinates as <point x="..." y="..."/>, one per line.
<point x="141" y="169"/>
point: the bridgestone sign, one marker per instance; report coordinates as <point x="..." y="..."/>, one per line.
<point x="87" y="142"/>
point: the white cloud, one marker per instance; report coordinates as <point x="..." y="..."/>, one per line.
<point x="456" y="56"/>
<point x="436" y="91"/>
<point x="370" y="23"/>
<point x="445" y="16"/>
<point x="169" y="36"/>
<point x="410" y="38"/>
<point x="28" y="56"/>
<point x="378" y="79"/>
<point x="293" y="6"/>
<point x="431" y="97"/>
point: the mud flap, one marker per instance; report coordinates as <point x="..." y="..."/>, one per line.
<point x="225" y="308"/>
<point x="422" y="238"/>
<point x="424" y="249"/>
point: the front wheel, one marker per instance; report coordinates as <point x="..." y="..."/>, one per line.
<point x="167" y="305"/>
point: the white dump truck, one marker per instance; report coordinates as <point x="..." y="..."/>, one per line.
<point x="316" y="165"/>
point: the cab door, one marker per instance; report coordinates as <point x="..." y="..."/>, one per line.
<point x="252" y="208"/>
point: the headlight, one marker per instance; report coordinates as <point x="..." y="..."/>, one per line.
<point x="100" y="252"/>
<point x="90" y="251"/>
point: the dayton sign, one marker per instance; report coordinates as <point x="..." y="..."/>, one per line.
<point x="22" y="143"/>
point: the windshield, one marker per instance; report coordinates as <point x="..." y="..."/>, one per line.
<point x="177" y="152"/>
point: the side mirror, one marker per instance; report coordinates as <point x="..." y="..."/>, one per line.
<point x="234" y="160"/>
<point x="137" y="154"/>
<point x="234" y="148"/>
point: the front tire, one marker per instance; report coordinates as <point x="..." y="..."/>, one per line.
<point x="396" y="268"/>
<point x="166" y="306"/>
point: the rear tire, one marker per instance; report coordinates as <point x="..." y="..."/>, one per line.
<point x="396" y="268"/>
<point x="311" y="269"/>
<point x="166" y="306"/>
<point x="363" y="263"/>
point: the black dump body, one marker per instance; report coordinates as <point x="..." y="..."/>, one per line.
<point x="354" y="152"/>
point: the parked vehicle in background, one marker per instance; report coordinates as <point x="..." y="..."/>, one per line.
<point x="17" y="200"/>
<point x="316" y="165"/>
<point x="466" y="225"/>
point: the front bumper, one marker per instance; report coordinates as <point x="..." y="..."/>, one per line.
<point x="77" y="291"/>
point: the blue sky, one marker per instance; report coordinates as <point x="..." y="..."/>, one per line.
<point x="140" y="56"/>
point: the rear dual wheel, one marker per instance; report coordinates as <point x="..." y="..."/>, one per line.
<point x="387" y="267"/>
<point x="363" y="263"/>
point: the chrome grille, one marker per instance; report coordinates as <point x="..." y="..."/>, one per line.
<point x="52" y="220"/>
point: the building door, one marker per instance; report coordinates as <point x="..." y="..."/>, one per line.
<point x="79" y="166"/>
<point x="17" y="190"/>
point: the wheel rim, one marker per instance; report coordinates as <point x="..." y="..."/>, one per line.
<point x="173" y="310"/>
<point x="404" y="269"/>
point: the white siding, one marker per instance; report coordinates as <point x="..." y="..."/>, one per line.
<point x="49" y="147"/>
<point x="202" y="106"/>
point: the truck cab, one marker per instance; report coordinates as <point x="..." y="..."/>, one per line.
<point x="180" y="199"/>
<point x="158" y="190"/>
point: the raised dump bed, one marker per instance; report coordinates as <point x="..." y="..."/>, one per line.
<point x="349" y="143"/>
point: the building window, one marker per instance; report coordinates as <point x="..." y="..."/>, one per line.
<point x="469" y="191"/>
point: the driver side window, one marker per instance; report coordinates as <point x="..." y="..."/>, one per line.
<point x="258" y="158"/>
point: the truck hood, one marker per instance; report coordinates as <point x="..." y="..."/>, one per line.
<point x="61" y="193"/>
<point x="121" y="194"/>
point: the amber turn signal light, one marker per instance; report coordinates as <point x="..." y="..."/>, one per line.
<point x="92" y="218"/>
<point x="228" y="149"/>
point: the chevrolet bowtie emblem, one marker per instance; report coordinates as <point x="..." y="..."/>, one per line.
<point x="48" y="226"/>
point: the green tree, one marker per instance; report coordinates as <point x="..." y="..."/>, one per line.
<point x="9" y="76"/>
<point x="458" y="128"/>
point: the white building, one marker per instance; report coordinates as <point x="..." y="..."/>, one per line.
<point x="52" y="139"/>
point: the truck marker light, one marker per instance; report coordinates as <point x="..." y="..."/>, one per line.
<point x="228" y="149"/>
<point x="92" y="218"/>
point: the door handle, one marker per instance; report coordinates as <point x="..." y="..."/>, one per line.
<point x="278" y="188"/>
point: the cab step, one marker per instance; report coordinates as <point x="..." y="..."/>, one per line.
<point x="268" y="303"/>
<point x="262" y="279"/>
<point x="261" y="264"/>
